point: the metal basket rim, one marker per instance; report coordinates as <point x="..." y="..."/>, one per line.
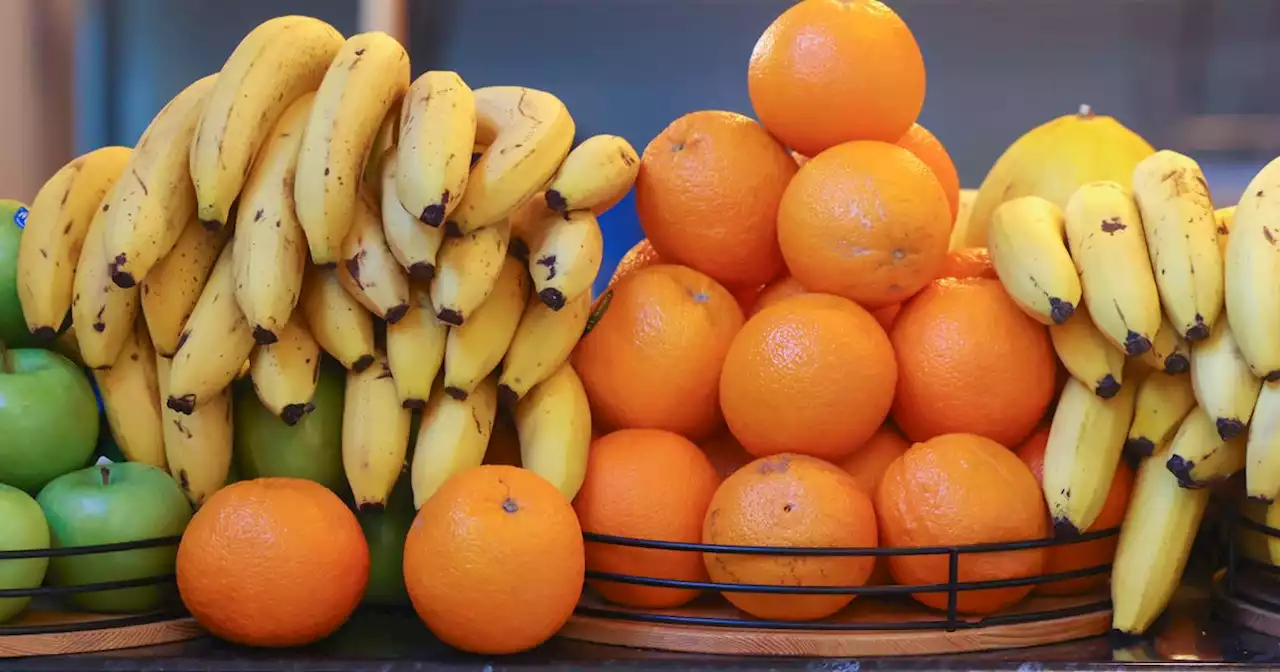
<point x="64" y="551"/>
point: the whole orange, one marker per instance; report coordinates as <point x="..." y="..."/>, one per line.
<point x="653" y="358"/>
<point x="645" y="484"/>
<point x="787" y="501"/>
<point x="969" y="360"/>
<point x="494" y="560"/>
<point x="725" y="453"/>
<point x="961" y="489"/>
<point x="784" y="287"/>
<point x="708" y="193"/>
<point x="968" y="262"/>
<point x="919" y="141"/>
<point x="830" y="71"/>
<point x="641" y="255"/>
<point x="865" y="220"/>
<point x="788" y="384"/>
<point x="273" y="562"/>
<point x="868" y="463"/>
<point x="1081" y="555"/>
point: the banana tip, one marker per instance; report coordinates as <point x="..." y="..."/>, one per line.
<point x="396" y="313"/>
<point x="263" y="336"/>
<point x="292" y="414"/>
<point x="44" y="334"/>
<point x="414" y="404"/>
<point x="556" y="201"/>
<point x="1108" y="387"/>
<point x="1181" y="468"/>
<point x="1060" y="311"/>
<point x="433" y="215"/>
<point x="1064" y="529"/>
<point x="1198" y="332"/>
<point x="554" y="298"/>
<point x="1140" y="447"/>
<point x="456" y="392"/>
<point x="507" y="397"/>
<point x="422" y="271"/>
<point x="1229" y="428"/>
<point x="123" y="279"/>
<point x="1176" y="363"/>
<point x="1136" y="344"/>
<point x="450" y="317"/>
<point x="186" y="404"/>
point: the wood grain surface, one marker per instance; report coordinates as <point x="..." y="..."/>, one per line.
<point x="90" y="639"/>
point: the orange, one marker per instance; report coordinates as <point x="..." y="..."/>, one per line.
<point x="746" y="297"/>
<point x="725" y="453"/>
<point x="969" y="360"/>
<point x="961" y="489"/>
<point x="887" y="315"/>
<point x="707" y="196"/>
<point x="653" y="358"/>
<point x="784" y="287"/>
<point x="273" y="562"/>
<point x="641" y="255"/>
<point x="646" y="484"/>
<point x="968" y="262"/>
<point x="919" y="141"/>
<point x="494" y="560"/>
<point x="830" y="71"/>
<point x="1085" y="554"/>
<point x="867" y="464"/>
<point x="787" y="501"/>
<point x="865" y="220"/>
<point x="812" y="374"/>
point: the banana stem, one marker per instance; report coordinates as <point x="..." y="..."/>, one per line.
<point x="5" y="367"/>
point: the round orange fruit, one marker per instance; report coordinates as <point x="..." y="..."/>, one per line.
<point x="887" y="315"/>
<point x="641" y="255"/>
<point x="787" y="501"/>
<point x="726" y="454"/>
<point x="968" y="262"/>
<point x="864" y="220"/>
<point x="273" y="562"/>
<point x="868" y="463"/>
<point x="494" y="560"/>
<point x="708" y="193"/>
<point x="784" y="287"/>
<point x="919" y="141"/>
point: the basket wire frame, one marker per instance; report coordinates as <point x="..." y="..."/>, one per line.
<point x="1239" y="563"/>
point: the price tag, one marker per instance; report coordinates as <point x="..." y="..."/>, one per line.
<point x="20" y="217"/>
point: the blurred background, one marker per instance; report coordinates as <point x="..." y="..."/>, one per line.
<point x="1192" y="75"/>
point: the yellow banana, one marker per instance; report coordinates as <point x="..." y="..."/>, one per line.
<point x="566" y="257"/>
<point x="149" y="207"/>
<point x="1225" y="217"/>
<point x="415" y="246"/>
<point x="1163" y="401"/>
<point x="528" y="134"/>
<point x="284" y="373"/>
<point x="363" y="83"/>
<point x="1086" y="438"/>
<point x="214" y="344"/>
<point x="56" y="226"/>
<point x="466" y="270"/>
<point x="1169" y="351"/>
<point x="595" y="175"/>
<point x="1224" y="385"/>
<point x="452" y="437"/>
<point x="554" y="424"/>
<point x="269" y="251"/>
<point x="1088" y="355"/>
<point x="473" y="350"/>
<point x="438" y="131"/>
<point x="1198" y="457"/>
<point x="276" y="63"/>
<point x="339" y="323"/>
<point x="384" y="143"/>
<point x="527" y="224"/>
<point x="102" y="312"/>
<point x="1252" y="271"/>
<point x="542" y="342"/>
<point x="1262" y="473"/>
<point x="131" y="398"/>
<point x="198" y="446"/>
<point x="1104" y="232"/>
<point x="368" y="270"/>
<point x="1029" y="252"/>
<point x="172" y="288"/>
<point x="415" y="348"/>
<point x="375" y="434"/>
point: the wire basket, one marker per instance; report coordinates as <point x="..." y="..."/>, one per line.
<point x="164" y="613"/>
<point x="1245" y="574"/>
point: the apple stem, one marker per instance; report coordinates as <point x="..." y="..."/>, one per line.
<point x="106" y="475"/>
<point x="5" y="367"/>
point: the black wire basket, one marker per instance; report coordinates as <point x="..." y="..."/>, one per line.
<point x="949" y="620"/>
<point x="1246" y="578"/>
<point x="170" y="609"/>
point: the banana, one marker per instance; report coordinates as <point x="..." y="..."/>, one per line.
<point x="56" y="226"/>
<point x="542" y="342"/>
<point x="198" y="446"/>
<point x="172" y="288"/>
<point x="1085" y="441"/>
<point x="150" y="206"/>
<point x="1225" y="217"/>
<point x="339" y="323"/>
<point x="1182" y="240"/>
<point x="415" y="246"/>
<point x="1252" y="271"/>
<point x="1169" y="351"/>
<point x="415" y="348"/>
<point x="1155" y="541"/>
<point x="131" y="398"/>
<point x="368" y="270"/>
<point x="1028" y="249"/>
<point x="527" y="224"/>
<point x="274" y="65"/>
<point x="214" y="344"/>
<point x="473" y="350"/>
<point x="363" y="83"/>
<point x="1262" y="473"/>
<point x="1224" y="385"/>
<point x="1198" y="457"/>
<point x="528" y="134"/>
<point x="269" y="250"/>
<point x="554" y="424"/>
<point x="452" y="437"/>
<point x="566" y="257"/>
<point x="466" y="270"/>
<point x="284" y="373"/>
<point x="595" y="175"/>
<point x="384" y="143"/>
<point x="438" y="131"/>
<point x="1104" y="233"/>
<point x="1088" y="355"/>
<point x="1163" y="401"/>
<point x="102" y="313"/>
<point x="375" y="434"/>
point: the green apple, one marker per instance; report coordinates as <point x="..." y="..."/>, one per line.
<point x="311" y="449"/>
<point x="48" y="414"/>
<point x="385" y="532"/>
<point x="109" y="504"/>
<point x="13" y="328"/>
<point x="24" y="529"/>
